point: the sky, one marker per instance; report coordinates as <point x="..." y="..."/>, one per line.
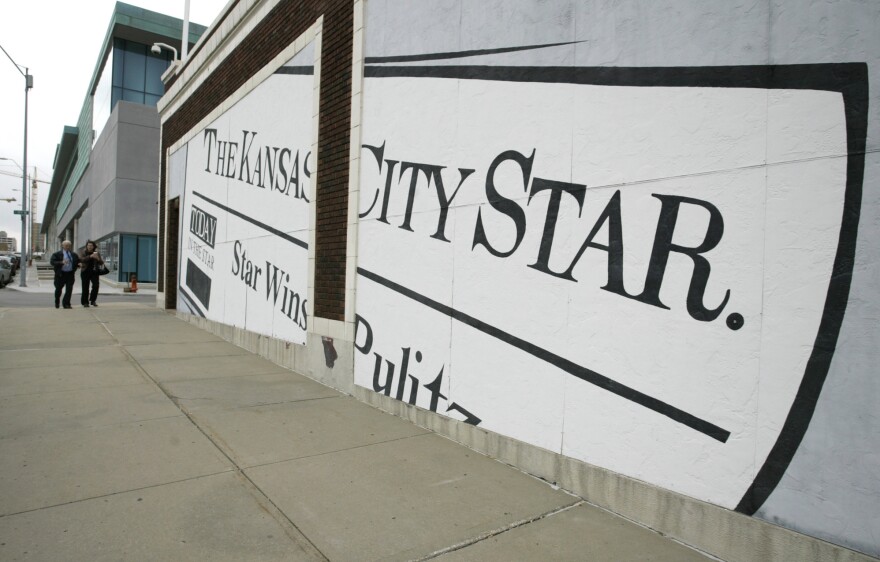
<point x="59" y="41"/>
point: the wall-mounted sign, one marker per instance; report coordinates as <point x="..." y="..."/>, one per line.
<point x="245" y="215"/>
<point x="642" y="268"/>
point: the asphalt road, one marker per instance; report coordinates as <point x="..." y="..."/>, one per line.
<point x="10" y="298"/>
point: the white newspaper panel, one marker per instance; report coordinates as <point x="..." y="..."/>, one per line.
<point x="245" y="216"/>
<point x="593" y="268"/>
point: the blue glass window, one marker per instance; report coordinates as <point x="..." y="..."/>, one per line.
<point x="134" y="71"/>
<point x="118" y="61"/>
<point x="155" y="67"/>
<point x="137" y="73"/>
<point x="147" y="259"/>
<point x="133" y="95"/>
<point x="128" y="256"/>
<point x="138" y="256"/>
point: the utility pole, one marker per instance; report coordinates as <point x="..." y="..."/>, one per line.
<point x="28" y="84"/>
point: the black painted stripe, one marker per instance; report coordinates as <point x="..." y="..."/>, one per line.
<point x="463" y="54"/>
<point x="298" y="70"/>
<point x="190" y="302"/>
<point x="255" y="222"/>
<point x="706" y="77"/>
<point x="842" y="77"/>
<point x="199" y="283"/>
<point x="852" y="82"/>
<point x="569" y="367"/>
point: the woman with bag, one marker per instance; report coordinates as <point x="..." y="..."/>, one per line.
<point x="92" y="265"/>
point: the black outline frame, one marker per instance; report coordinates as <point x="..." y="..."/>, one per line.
<point x="848" y="79"/>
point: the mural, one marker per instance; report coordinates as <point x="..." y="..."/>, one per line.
<point x="245" y="211"/>
<point x="645" y="268"/>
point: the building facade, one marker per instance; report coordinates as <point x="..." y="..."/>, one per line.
<point x="106" y="167"/>
<point x="8" y="243"/>
<point x="636" y="266"/>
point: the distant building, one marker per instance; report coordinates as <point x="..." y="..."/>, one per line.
<point x="38" y="244"/>
<point x="106" y="168"/>
<point x="7" y="244"/>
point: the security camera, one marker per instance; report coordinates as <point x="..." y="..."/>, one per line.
<point x="157" y="49"/>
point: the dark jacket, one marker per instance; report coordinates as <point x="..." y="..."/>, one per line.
<point x="57" y="261"/>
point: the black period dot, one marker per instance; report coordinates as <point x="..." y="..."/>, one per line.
<point x="735" y="321"/>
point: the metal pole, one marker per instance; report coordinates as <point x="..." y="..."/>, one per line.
<point x="28" y="83"/>
<point x="184" y="47"/>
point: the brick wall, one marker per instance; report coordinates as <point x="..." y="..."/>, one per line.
<point x="288" y="20"/>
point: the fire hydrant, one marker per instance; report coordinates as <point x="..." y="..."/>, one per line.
<point x="133" y="283"/>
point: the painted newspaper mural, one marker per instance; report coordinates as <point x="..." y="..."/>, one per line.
<point x="245" y="210"/>
<point x="645" y="268"/>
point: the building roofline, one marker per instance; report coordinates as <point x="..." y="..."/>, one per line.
<point x="137" y="23"/>
<point x="63" y="153"/>
<point x="126" y="22"/>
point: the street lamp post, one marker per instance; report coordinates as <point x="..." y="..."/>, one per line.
<point x="28" y="84"/>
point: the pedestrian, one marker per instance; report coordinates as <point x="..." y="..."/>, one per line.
<point x="90" y="262"/>
<point x="65" y="262"/>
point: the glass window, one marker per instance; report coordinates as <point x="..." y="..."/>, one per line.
<point x="109" y="249"/>
<point x="156" y="65"/>
<point x="147" y="259"/>
<point x="135" y="67"/>
<point x="101" y="101"/>
<point x="132" y="95"/>
<point x="137" y="73"/>
<point x="118" y="59"/>
<point x="128" y="255"/>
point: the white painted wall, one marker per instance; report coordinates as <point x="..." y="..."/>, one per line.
<point x="714" y="408"/>
<point x="246" y="208"/>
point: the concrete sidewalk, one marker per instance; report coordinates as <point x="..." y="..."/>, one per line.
<point x="128" y="434"/>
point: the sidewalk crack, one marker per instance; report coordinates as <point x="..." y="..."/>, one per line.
<point x="499" y="531"/>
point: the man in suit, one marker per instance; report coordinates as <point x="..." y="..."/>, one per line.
<point x="65" y="262"/>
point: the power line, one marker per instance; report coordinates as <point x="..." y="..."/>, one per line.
<point x="14" y="175"/>
<point x="32" y="167"/>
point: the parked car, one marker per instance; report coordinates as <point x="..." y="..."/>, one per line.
<point x="5" y="271"/>
<point x="13" y="261"/>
